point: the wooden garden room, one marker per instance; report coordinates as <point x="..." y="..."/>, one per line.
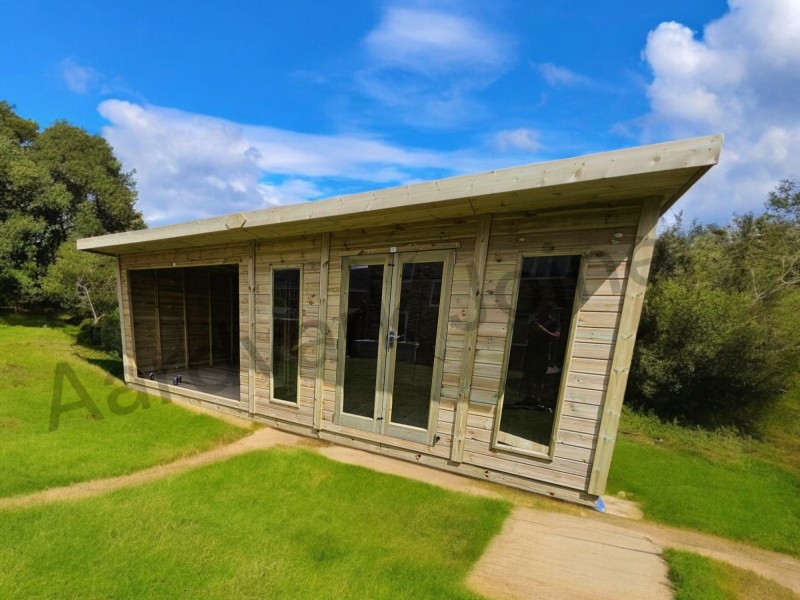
<point x="481" y="324"/>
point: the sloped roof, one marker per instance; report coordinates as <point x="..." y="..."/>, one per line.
<point x="613" y="178"/>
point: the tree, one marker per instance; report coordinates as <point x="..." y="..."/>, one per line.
<point x="57" y="185"/>
<point x="102" y="195"/>
<point x="13" y="127"/>
<point x="82" y="283"/>
<point x="783" y="203"/>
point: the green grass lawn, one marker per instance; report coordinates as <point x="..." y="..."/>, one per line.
<point x="700" y="578"/>
<point x="284" y="523"/>
<point x="779" y="427"/>
<point x="290" y="524"/>
<point x="717" y="483"/>
<point x="86" y="443"/>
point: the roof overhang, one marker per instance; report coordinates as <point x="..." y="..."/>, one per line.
<point x="608" y="179"/>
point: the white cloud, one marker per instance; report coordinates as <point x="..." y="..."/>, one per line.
<point x="83" y="79"/>
<point x="290" y="191"/>
<point x="79" y="78"/>
<point x="555" y="75"/>
<point x="740" y="77"/>
<point x="426" y="64"/>
<point x="190" y="166"/>
<point x="518" y="139"/>
<point x="433" y="42"/>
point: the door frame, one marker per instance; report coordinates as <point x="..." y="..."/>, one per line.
<point x="339" y="416"/>
<point x="386" y="361"/>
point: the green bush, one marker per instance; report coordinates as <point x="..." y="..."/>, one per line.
<point x="103" y="334"/>
<point x="703" y="356"/>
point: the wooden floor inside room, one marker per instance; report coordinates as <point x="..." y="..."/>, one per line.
<point x="220" y="380"/>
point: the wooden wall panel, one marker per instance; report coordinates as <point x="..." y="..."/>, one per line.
<point x="145" y="348"/>
<point x="170" y="318"/>
<point x="198" y="317"/>
<point x="224" y="316"/>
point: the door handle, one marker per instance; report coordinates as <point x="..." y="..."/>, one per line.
<point x="392" y="338"/>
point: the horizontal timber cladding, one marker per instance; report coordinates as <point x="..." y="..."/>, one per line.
<point x="605" y="238"/>
<point x="169" y="316"/>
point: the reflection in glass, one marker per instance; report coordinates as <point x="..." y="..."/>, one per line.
<point x="416" y="341"/>
<point x="363" y="330"/>
<point x="285" y="333"/>
<point x="545" y="301"/>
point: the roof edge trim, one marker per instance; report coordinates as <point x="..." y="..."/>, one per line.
<point x="699" y="154"/>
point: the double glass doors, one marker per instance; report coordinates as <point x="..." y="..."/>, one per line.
<point x="392" y="325"/>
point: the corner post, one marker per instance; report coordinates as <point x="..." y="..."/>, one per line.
<point x="251" y="328"/>
<point x="639" y="272"/>
<point x="123" y="315"/>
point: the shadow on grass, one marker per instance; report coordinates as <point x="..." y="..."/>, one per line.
<point x="34" y="318"/>
<point x="112" y="366"/>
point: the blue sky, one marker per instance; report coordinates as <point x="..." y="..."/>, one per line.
<point x="227" y="106"/>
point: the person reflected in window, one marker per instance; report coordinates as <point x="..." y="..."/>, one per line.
<point x="543" y="331"/>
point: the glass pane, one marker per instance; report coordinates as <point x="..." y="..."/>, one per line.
<point x="538" y="344"/>
<point x="416" y="342"/>
<point x="363" y="332"/>
<point x="170" y="315"/>
<point x="144" y="300"/>
<point x="224" y="328"/>
<point x="285" y="333"/>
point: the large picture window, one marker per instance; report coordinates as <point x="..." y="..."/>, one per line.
<point x="543" y="311"/>
<point x="285" y="333"/>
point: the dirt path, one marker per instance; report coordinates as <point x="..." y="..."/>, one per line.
<point x="545" y="555"/>
<point x="538" y="553"/>
<point x="263" y="438"/>
<point x="595" y="556"/>
<point x="780" y="568"/>
<point x="532" y="538"/>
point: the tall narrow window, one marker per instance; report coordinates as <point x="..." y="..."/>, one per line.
<point x="285" y="333"/>
<point x="536" y="351"/>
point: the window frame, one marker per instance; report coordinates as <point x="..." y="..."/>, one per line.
<point x="273" y="269"/>
<point x="530" y="448"/>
